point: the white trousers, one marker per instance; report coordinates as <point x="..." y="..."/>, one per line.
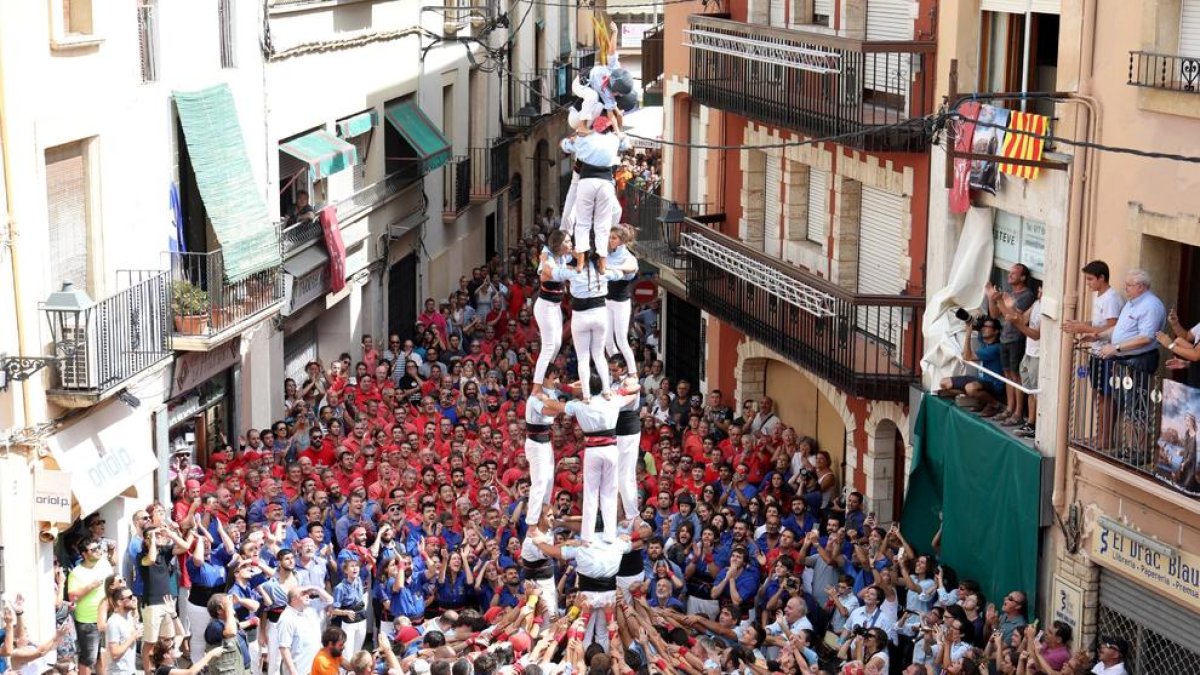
<point x="617" y="338"/>
<point x="198" y="620"/>
<point x="595" y="207"/>
<point x="274" y="660"/>
<point x="599" y="489"/>
<point x="596" y="629"/>
<point x="624" y="584"/>
<point x="567" y="223"/>
<point x="548" y="605"/>
<point x="356" y="634"/>
<point x="541" y="478"/>
<point x="628" y="448"/>
<point x="587" y="332"/>
<point x="549" y="322"/>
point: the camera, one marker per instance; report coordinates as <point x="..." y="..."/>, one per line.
<point x="859" y="631"/>
<point x="791" y="584"/>
<point x="965" y="316"/>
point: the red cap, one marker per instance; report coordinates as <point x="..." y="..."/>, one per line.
<point x="601" y="124"/>
<point x="357" y="482"/>
<point x="192" y="485"/>
<point x="492" y="614"/>
<point x="218" y="457"/>
<point x="407" y="634"/>
<point x="251" y="456"/>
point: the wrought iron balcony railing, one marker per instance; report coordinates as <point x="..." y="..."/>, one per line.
<point x="658" y="242"/>
<point x="298" y="235"/>
<point x="528" y="101"/>
<point x="114" y="339"/>
<point x="1164" y="71"/>
<point x="867" y="345"/>
<point x="1116" y="412"/>
<point x="871" y="94"/>
<point x="204" y="303"/>
<point x="456" y="194"/>
<point x="489" y="169"/>
<point x="652" y="55"/>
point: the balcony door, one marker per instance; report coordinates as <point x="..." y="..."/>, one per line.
<point x="1189" y="29"/>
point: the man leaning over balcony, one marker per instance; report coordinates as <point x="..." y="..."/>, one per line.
<point x="1132" y="339"/>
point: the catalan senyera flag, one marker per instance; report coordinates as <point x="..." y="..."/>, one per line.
<point x="1023" y="146"/>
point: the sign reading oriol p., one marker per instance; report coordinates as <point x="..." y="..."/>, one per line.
<point x="52" y="496"/>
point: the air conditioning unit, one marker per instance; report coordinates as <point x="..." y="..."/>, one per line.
<point x="77" y="370"/>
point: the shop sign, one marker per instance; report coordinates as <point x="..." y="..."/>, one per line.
<point x="52" y="496"/>
<point x="1019" y="240"/>
<point x="304" y="289"/>
<point x="631" y="34"/>
<point x="1169" y="571"/>
<point x="106" y="452"/>
<point x="1067" y="602"/>
<point x="193" y="368"/>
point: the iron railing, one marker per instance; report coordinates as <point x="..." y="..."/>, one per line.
<point x="1116" y="412"/>
<point x="1164" y="71"/>
<point x="375" y="195"/>
<point x="117" y="338"/>
<point x="528" y="101"/>
<point x="867" y="345"/>
<point x="298" y="235"/>
<point x="456" y="195"/>
<point x="642" y="209"/>
<point x="204" y="303"/>
<point x="873" y="95"/>
<point x="489" y="169"/>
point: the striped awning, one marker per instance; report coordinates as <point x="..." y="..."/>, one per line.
<point x="232" y="198"/>
<point x="356" y="125"/>
<point x="324" y="153"/>
<point x="432" y="148"/>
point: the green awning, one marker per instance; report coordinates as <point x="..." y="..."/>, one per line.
<point x="324" y="153"/>
<point x="357" y="124"/>
<point x="432" y="148"/>
<point x="235" y="206"/>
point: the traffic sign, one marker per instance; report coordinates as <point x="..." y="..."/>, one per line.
<point x="645" y="292"/>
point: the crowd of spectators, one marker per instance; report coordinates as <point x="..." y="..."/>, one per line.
<point x="377" y="526"/>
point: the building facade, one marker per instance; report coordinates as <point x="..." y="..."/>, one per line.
<point x="160" y="177"/>
<point x="1117" y="541"/>
<point x="800" y="263"/>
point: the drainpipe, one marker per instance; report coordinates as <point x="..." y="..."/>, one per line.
<point x="13" y="240"/>
<point x="1080" y="237"/>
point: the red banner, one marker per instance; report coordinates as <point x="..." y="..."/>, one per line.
<point x="964" y="136"/>
<point x="337" y="249"/>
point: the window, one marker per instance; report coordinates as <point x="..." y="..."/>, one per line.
<point x="67" y="214"/>
<point x="1018" y="240"/>
<point x="148" y="39"/>
<point x="72" y="24"/>
<point x="1189" y="28"/>
<point x="225" y="19"/>
<point x="77" y="17"/>
<point x="1004" y="63"/>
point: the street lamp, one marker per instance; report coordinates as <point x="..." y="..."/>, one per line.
<point x="68" y="313"/>
<point x="670" y="222"/>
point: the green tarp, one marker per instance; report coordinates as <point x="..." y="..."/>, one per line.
<point x="432" y="148"/>
<point x="357" y="124"/>
<point x="235" y="206"/>
<point x="324" y="153"/>
<point x="988" y="487"/>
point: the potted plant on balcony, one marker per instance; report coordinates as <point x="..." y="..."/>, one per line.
<point x="189" y="304"/>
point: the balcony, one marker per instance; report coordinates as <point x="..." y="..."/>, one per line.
<point x="874" y="93"/>
<point x="527" y="103"/>
<point x="110" y="342"/>
<point x="658" y="242"/>
<point x="299" y="235"/>
<point x="868" y="346"/>
<point x="1116" y="413"/>
<point x="489" y="170"/>
<point x="456" y="193"/>
<point x="1164" y="71"/>
<point x="207" y="309"/>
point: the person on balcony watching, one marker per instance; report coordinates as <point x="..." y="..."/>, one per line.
<point x="1132" y="337"/>
<point x="1029" y="323"/>
<point x="1012" y="344"/>
<point x="983" y="386"/>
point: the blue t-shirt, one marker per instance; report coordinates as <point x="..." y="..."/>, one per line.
<point x="989" y="357"/>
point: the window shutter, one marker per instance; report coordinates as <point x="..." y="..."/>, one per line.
<point x="772" y="206"/>
<point x="1189" y="29"/>
<point x="879" y="250"/>
<point x="66" y="202"/>
<point x="818" y="205"/>
<point x="823" y="8"/>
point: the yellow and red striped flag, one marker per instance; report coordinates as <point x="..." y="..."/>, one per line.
<point x="1023" y="146"/>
